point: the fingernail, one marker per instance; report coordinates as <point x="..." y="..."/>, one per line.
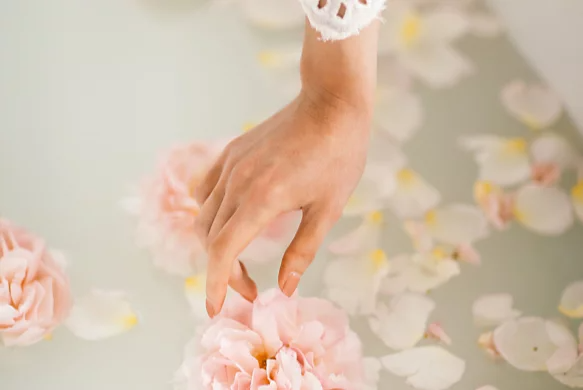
<point x="291" y="283"/>
<point x="210" y="309"/>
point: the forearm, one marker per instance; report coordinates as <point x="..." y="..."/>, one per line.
<point x="344" y="70"/>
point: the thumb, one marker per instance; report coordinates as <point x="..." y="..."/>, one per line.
<point x="303" y="248"/>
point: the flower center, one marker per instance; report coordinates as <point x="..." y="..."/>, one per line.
<point x="262" y="359"/>
<point x="406" y="176"/>
<point x="577" y="192"/>
<point x="376" y="217"/>
<point x="378" y="259"/>
<point x="410" y="29"/>
<point x="515" y="146"/>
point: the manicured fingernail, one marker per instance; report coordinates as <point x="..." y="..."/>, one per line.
<point x="210" y="309"/>
<point x="291" y="283"/>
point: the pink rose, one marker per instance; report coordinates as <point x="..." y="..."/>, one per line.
<point x="275" y="343"/>
<point x="167" y="209"/>
<point x="34" y="290"/>
<point x="167" y="212"/>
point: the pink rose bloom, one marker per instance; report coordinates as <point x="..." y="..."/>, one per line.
<point x="275" y="343"/>
<point x="167" y="212"/>
<point x="34" y="290"/>
<point x="167" y="209"/>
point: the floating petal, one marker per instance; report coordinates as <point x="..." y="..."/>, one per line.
<point x="364" y="238"/>
<point x="457" y="224"/>
<point x="402" y="324"/>
<point x="572" y="300"/>
<point x="413" y="196"/>
<point x="536" y="106"/>
<point x="100" y="315"/>
<point x="426" y="368"/>
<point x="545" y="210"/>
<point x="502" y="161"/>
<point x="354" y="283"/>
<point x="195" y="291"/>
<point x="399" y="113"/>
<point x="529" y="343"/>
<point x="494" y="309"/>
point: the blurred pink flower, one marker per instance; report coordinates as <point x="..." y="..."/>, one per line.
<point x="497" y="206"/>
<point x="275" y="343"/>
<point x="545" y="173"/>
<point x="167" y="211"/>
<point x="34" y="290"/>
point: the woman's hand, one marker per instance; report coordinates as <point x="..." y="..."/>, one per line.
<point x="308" y="156"/>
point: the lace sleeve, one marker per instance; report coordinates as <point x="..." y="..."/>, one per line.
<point x="339" y="19"/>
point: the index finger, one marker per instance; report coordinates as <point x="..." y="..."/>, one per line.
<point x="245" y="224"/>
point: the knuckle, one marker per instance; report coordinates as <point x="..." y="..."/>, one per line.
<point x="243" y="170"/>
<point x="215" y="249"/>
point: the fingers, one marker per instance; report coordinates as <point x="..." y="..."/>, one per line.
<point x="210" y="181"/>
<point x="241" y="282"/>
<point x="245" y="224"/>
<point x="303" y="248"/>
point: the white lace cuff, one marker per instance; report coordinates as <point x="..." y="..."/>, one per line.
<point x="339" y="19"/>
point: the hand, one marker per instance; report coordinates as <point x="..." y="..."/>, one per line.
<point x="309" y="157"/>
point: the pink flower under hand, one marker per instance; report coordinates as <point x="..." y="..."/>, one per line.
<point x="34" y="290"/>
<point x="167" y="211"/>
<point x="275" y="343"/>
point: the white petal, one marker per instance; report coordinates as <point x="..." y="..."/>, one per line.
<point x="545" y="210"/>
<point x="444" y="25"/>
<point x="372" y="368"/>
<point x="354" y="283"/>
<point x="535" y="105"/>
<point x="528" y="343"/>
<point x="420" y="272"/>
<point x="413" y="196"/>
<point x="398" y="113"/>
<point x="281" y="15"/>
<point x="426" y="368"/>
<point x="572" y="300"/>
<point x="574" y="376"/>
<point x="494" y="309"/>
<point x="401" y="325"/>
<point x="457" y="224"/>
<point x="100" y="315"/>
<point x="396" y="281"/>
<point x="485" y="24"/>
<point x="376" y="186"/>
<point x="502" y="161"/>
<point x="364" y="238"/>
<point x="195" y="291"/>
<point x="439" y="66"/>
<point x="551" y="148"/>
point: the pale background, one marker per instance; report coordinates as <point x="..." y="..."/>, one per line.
<point x="91" y="90"/>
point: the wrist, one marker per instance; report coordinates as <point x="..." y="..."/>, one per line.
<point x="341" y="72"/>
